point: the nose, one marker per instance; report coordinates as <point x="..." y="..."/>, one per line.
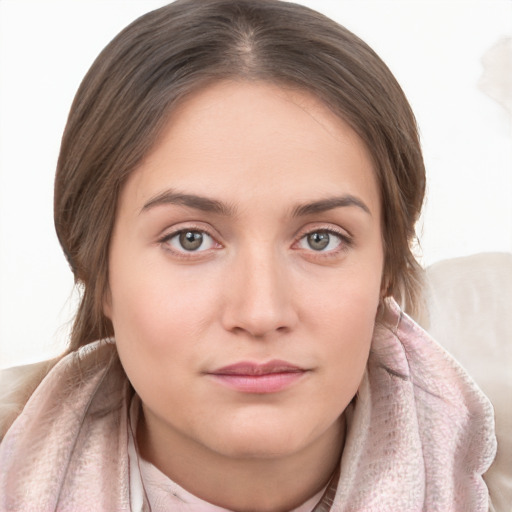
<point x="260" y="300"/>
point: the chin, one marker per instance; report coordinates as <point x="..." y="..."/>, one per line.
<point x="267" y="438"/>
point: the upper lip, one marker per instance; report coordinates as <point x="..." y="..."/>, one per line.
<point x="255" y="369"/>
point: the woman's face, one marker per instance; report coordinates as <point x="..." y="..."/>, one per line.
<point x="245" y="272"/>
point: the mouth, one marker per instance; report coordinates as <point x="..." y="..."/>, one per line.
<point x="248" y="377"/>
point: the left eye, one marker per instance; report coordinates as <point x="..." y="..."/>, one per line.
<point x="321" y="241"/>
<point x="191" y="240"/>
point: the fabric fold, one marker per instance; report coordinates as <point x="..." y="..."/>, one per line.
<point x="421" y="434"/>
<point x="67" y="451"/>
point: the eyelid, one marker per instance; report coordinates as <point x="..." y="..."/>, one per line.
<point x="182" y="227"/>
<point x="319" y="226"/>
<point x="344" y="235"/>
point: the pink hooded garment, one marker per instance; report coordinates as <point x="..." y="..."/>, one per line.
<point x="420" y="434"/>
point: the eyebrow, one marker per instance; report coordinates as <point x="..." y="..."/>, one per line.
<point x="330" y="203"/>
<point x="209" y="205"/>
<point x="204" y="204"/>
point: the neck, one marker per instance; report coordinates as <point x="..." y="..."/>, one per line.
<point x="266" y="484"/>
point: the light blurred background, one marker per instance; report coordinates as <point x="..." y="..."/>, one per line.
<point x="453" y="58"/>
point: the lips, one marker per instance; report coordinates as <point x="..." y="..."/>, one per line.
<point x="248" y="377"/>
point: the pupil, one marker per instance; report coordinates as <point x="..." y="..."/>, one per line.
<point x="318" y="240"/>
<point x="191" y="240"/>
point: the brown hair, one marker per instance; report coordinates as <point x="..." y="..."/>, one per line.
<point x="129" y="91"/>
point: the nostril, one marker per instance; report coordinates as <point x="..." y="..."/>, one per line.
<point x="259" y="332"/>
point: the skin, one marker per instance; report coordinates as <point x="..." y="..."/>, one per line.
<point x="255" y="290"/>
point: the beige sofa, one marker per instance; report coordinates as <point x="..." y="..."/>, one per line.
<point x="469" y="304"/>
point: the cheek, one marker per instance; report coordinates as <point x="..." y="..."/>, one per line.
<point x="347" y="299"/>
<point x="153" y="308"/>
<point x="347" y="357"/>
<point x="351" y="327"/>
<point x="345" y="313"/>
<point x="153" y="322"/>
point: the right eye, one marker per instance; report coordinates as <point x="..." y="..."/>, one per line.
<point x="189" y="240"/>
<point x="321" y="240"/>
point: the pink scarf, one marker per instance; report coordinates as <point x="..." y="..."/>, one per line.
<point x="420" y="435"/>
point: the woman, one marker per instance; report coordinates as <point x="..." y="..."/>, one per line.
<point x="236" y="194"/>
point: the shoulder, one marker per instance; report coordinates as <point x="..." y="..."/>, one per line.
<point x="16" y="386"/>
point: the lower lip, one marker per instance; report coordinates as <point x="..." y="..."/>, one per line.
<point x="268" y="383"/>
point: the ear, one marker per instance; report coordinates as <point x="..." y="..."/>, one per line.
<point x="384" y="286"/>
<point x="107" y="304"/>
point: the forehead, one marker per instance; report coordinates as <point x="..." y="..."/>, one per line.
<point x="235" y="137"/>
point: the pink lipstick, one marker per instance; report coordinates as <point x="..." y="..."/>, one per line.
<point x="248" y="377"/>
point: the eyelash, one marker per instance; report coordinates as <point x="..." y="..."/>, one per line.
<point x="166" y="240"/>
<point x="345" y="242"/>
